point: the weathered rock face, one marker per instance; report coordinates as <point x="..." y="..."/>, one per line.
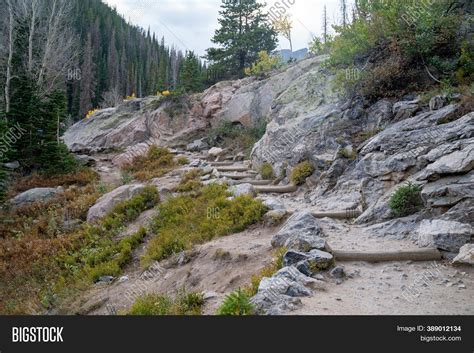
<point x="281" y="292"/>
<point x="243" y="190"/>
<point x="106" y="203"/>
<point x="156" y="120"/>
<point x="466" y="255"/>
<point x="152" y="120"/>
<point x="301" y="224"/>
<point x="35" y="195"/>
<point x="309" y="263"/>
<point x="362" y="153"/>
<point x="446" y="235"/>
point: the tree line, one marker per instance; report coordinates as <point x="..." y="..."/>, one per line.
<point x="61" y="58"/>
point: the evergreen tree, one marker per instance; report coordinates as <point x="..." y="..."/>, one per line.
<point x="244" y="32"/>
<point x="55" y="157"/>
<point x="190" y="77"/>
<point x="24" y="103"/>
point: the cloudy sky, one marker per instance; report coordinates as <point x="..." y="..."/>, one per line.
<point x="190" y="24"/>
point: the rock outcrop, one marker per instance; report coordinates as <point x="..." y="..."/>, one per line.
<point x="107" y="202"/>
<point x="466" y="255"/>
<point x="362" y="152"/>
<point x="35" y="195"/>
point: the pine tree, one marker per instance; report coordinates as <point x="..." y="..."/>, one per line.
<point x="55" y="157"/>
<point x="190" y="76"/>
<point x="244" y="32"/>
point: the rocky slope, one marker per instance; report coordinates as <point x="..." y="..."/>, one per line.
<point x="362" y="152"/>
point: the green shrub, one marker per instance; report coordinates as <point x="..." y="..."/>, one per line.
<point x="263" y="66"/>
<point x="406" y="200"/>
<point x="236" y="136"/>
<point x="190" y="181"/>
<point x="126" y="178"/>
<point x="157" y="162"/>
<point x="301" y="172"/>
<point x="348" y="154"/>
<point x="151" y="305"/>
<point x="236" y="304"/>
<point x="183" y="160"/>
<point x="184" y="220"/>
<point x="276" y="265"/>
<point x="159" y="305"/>
<point x="395" y="42"/>
<point x="267" y="172"/>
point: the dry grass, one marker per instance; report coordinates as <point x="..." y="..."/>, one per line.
<point x="157" y="162"/>
<point x="81" y="178"/>
<point x="44" y="256"/>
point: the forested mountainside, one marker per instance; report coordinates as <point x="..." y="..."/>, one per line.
<point x="118" y="59"/>
<point x="86" y="48"/>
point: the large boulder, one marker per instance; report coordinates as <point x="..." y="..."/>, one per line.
<point x="106" y="203"/>
<point x="309" y="263"/>
<point x="35" y="195"/>
<point x="461" y="161"/>
<point x="151" y="120"/>
<point x="85" y="160"/>
<point x="406" y="109"/>
<point x="243" y="190"/>
<point x="463" y="212"/>
<point x="447" y="192"/>
<point x="281" y="292"/>
<point x="466" y="255"/>
<point x="449" y="236"/>
<point x="197" y="145"/>
<point x="298" y="225"/>
<point x="12" y="165"/>
<point x="305" y="243"/>
<point x="274" y="204"/>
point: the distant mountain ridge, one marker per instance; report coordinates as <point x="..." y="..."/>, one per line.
<point x="287" y="54"/>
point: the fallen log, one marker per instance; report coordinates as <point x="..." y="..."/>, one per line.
<point x="254" y="182"/>
<point x="233" y="169"/>
<point x="221" y="164"/>
<point x="238" y="176"/>
<point x="276" y="189"/>
<point x="348" y="214"/>
<point x="429" y="254"/>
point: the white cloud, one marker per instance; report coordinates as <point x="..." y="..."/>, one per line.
<point x="190" y="24"/>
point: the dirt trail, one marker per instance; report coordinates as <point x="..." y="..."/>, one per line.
<point x="394" y="288"/>
<point x="110" y="174"/>
<point x="215" y="268"/>
<point x="225" y="264"/>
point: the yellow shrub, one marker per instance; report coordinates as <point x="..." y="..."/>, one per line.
<point x="263" y="66"/>
<point x="129" y="98"/>
<point x="91" y="112"/>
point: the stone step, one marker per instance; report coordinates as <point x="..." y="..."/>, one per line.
<point x="348" y="214"/>
<point x="254" y="182"/>
<point x="221" y="164"/>
<point x="427" y="254"/>
<point x="285" y="189"/>
<point x="233" y="168"/>
<point x="238" y="176"/>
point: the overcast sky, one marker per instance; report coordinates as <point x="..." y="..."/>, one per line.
<point x="190" y="24"/>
